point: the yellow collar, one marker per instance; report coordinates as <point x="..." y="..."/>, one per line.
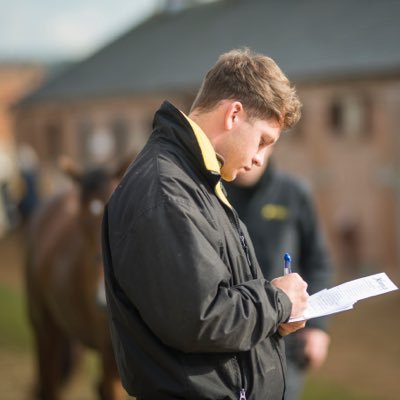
<point x="209" y="157"/>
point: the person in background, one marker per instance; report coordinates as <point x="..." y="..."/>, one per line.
<point x="279" y="213"/>
<point x="191" y="315"/>
<point x="28" y="163"/>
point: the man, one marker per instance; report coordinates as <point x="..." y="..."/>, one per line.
<point x="279" y="214"/>
<point x="191" y="315"/>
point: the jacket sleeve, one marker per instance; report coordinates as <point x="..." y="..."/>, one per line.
<point x="169" y="266"/>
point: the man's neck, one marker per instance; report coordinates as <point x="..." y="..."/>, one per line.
<point x="211" y="123"/>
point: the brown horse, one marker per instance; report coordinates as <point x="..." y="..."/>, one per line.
<point x="63" y="274"/>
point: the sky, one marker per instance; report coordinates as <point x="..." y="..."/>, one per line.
<point x="65" y="29"/>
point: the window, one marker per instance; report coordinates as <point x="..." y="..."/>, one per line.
<point x="350" y="116"/>
<point x="101" y="145"/>
<point x="97" y="143"/>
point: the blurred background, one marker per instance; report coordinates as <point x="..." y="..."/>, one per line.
<point x="83" y="79"/>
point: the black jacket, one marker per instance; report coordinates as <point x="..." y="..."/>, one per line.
<point x="191" y="315"/>
<point x="280" y="216"/>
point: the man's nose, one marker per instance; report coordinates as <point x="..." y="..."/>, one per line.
<point x="258" y="160"/>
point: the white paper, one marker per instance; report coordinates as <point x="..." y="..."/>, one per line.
<point x="344" y="296"/>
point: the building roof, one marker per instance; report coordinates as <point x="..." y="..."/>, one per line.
<point x="310" y="39"/>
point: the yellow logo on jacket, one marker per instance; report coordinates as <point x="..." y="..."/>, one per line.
<point x="274" y="212"/>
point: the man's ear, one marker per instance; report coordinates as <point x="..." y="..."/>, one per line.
<point x="233" y="114"/>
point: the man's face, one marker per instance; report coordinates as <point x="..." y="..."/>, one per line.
<point x="250" y="178"/>
<point x="245" y="146"/>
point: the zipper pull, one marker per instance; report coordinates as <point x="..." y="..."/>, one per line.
<point x="246" y="249"/>
<point x="242" y="394"/>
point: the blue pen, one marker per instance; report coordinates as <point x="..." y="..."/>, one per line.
<point x="287" y="269"/>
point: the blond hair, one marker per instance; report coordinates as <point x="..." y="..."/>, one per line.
<point x="256" y="81"/>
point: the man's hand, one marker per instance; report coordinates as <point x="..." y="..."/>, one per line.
<point x="316" y="344"/>
<point x="296" y="289"/>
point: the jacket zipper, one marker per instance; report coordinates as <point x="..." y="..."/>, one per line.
<point x="245" y="248"/>
<point x="243" y="242"/>
<point x="242" y="393"/>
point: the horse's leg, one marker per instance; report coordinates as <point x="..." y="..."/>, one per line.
<point x="110" y="387"/>
<point x="55" y="359"/>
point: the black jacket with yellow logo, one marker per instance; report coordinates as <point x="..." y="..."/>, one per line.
<point x="191" y="315"/>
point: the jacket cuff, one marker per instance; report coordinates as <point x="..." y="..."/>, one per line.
<point x="286" y="305"/>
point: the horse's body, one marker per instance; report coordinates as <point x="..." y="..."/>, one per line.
<point x="63" y="274"/>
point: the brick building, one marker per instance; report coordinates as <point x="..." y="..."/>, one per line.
<point x="344" y="59"/>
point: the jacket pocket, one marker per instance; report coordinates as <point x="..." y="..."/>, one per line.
<point x="213" y="376"/>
